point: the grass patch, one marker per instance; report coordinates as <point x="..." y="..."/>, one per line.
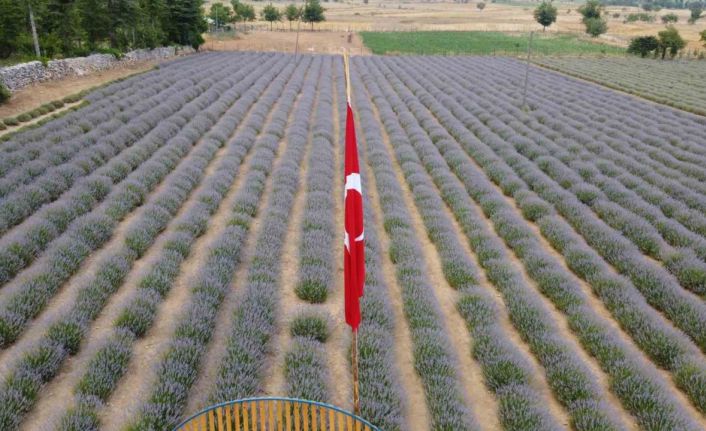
<point x="480" y="43"/>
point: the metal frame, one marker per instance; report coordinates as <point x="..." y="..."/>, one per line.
<point x="293" y="400"/>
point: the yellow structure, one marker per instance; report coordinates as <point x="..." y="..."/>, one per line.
<point x="274" y="414"/>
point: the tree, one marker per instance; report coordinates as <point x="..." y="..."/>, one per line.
<point x="242" y="12"/>
<point x="696" y="11"/>
<point x="591" y="12"/>
<point x="703" y="37"/>
<point x="669" y="39"/>
<point x="292" y="13"/>
<point x="313" y="12"/>
<point x="596" y="26"/>
<point x="271" y="14"/>
<point x="220" y="14"/>
<point x="643" y="45"/>
<point x="185" y="22"/>
<point x="545" y="14"/>
<point x="480" y="5"/>
<point x="592" y="9"/>
<point x="11" y="26"/>
<point x="670" y="18"/>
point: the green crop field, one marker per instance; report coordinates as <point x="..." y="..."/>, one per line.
<point x="479" y="43"/>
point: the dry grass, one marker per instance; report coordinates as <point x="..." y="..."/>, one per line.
<point x="404" y="16"/>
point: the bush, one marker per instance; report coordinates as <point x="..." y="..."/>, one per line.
<point x="643" y="45"/>
<point x="670" y="18"/>
<point x="11" y="121"/>
<point x="596" y="26"/>
<point x="5" y="94"/>
<point x="312" y="325"/>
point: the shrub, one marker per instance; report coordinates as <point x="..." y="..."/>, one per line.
<point x="643" y="45"/>
<point x="311" y="325"/>
<point x="5" y="94"/>
<point x="670" y="18"/>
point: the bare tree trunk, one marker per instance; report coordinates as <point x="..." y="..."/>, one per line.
<point x="34" y="31"/>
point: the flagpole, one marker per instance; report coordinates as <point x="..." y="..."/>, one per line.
<point x="354" y="346"/>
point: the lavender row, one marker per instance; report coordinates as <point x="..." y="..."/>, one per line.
<point x="506" y="371"/>
<point x="105" y="102"/>
<point x="667" y="347"/>
<point x="22" y="246"/>
<point x="659" y="288"/>
<point x="63" y="140"/>
<point x="687" y="264"/>
<point x="432" y="351"/>
<point x="570" y="379"/>
<point x="570" y="148"/>
<point x="179" y="366"/>
<point x="51" y="183"/>
<point x="93" y="230"/>
<point x="317" y="235"/>
<point x="381" y="394"/>
<point x="242" y="369"/>
<point x="631" y="380"/>
<point x="681" y="132"/>
<point x="63" y="337"/>
<point x="632" y="74"/>
<point x="305" y="366"/>
<point x="604" y="143"/>
<point x="650" y="148"/>
<point x="110" y="362"/>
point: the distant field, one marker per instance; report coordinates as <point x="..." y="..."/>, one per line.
<point x="479" y="43"/>
<point x="643" y="77"/>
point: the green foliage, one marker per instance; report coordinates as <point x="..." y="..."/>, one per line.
<point x="480" y="5"/>
<point x="220" y="14"/>
<point x="480" y="43"/>
<point x="271" y="14"/>
<point x="11" y="27"/>
<point x="79" y="27"/>
<point x="643" y="45"/>
<point x="243" y="12"/>
<point x="292" y="13"/>
<point x="641" y="16"/>
<point x="696" y="11"/>
<point x="670" y="40"/>
<point x="596" y="26"/>
<point x="4" y="94"/>
<point x="313" y="12"/>
<point x="591" y="12"/>
<point x="545" y="14"/>
<point x="703" y="37"/>
<point x="311" y="325"/>
<point x="592" y="9"/>
<point x="670" y="18"/>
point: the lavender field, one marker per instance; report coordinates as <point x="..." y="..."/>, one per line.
<point x="178" y="242"/>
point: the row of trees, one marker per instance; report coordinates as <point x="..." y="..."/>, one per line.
<point x="78" y="27"/>
<point x="593" y="15"/>
<point x="545" y="14"/>
<point x="667" y="41"/>
<point x="222" y="15"/>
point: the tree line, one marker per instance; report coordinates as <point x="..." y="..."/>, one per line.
<point x="222" y="15"/>
<point x="65" y="28"/>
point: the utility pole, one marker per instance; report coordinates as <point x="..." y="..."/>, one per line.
<point x="529" y="54"/>
<point x="296" y="43"/>
<point x="34" y="30"/>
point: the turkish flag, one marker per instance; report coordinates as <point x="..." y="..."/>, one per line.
<point x="354" y="247"/>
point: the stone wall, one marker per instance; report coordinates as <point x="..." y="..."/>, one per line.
<point x="21" y="75"/>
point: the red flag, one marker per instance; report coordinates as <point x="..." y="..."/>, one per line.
<point x="354" y="248"/>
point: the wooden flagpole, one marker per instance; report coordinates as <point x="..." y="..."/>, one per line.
<point x="354" y="346"/>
